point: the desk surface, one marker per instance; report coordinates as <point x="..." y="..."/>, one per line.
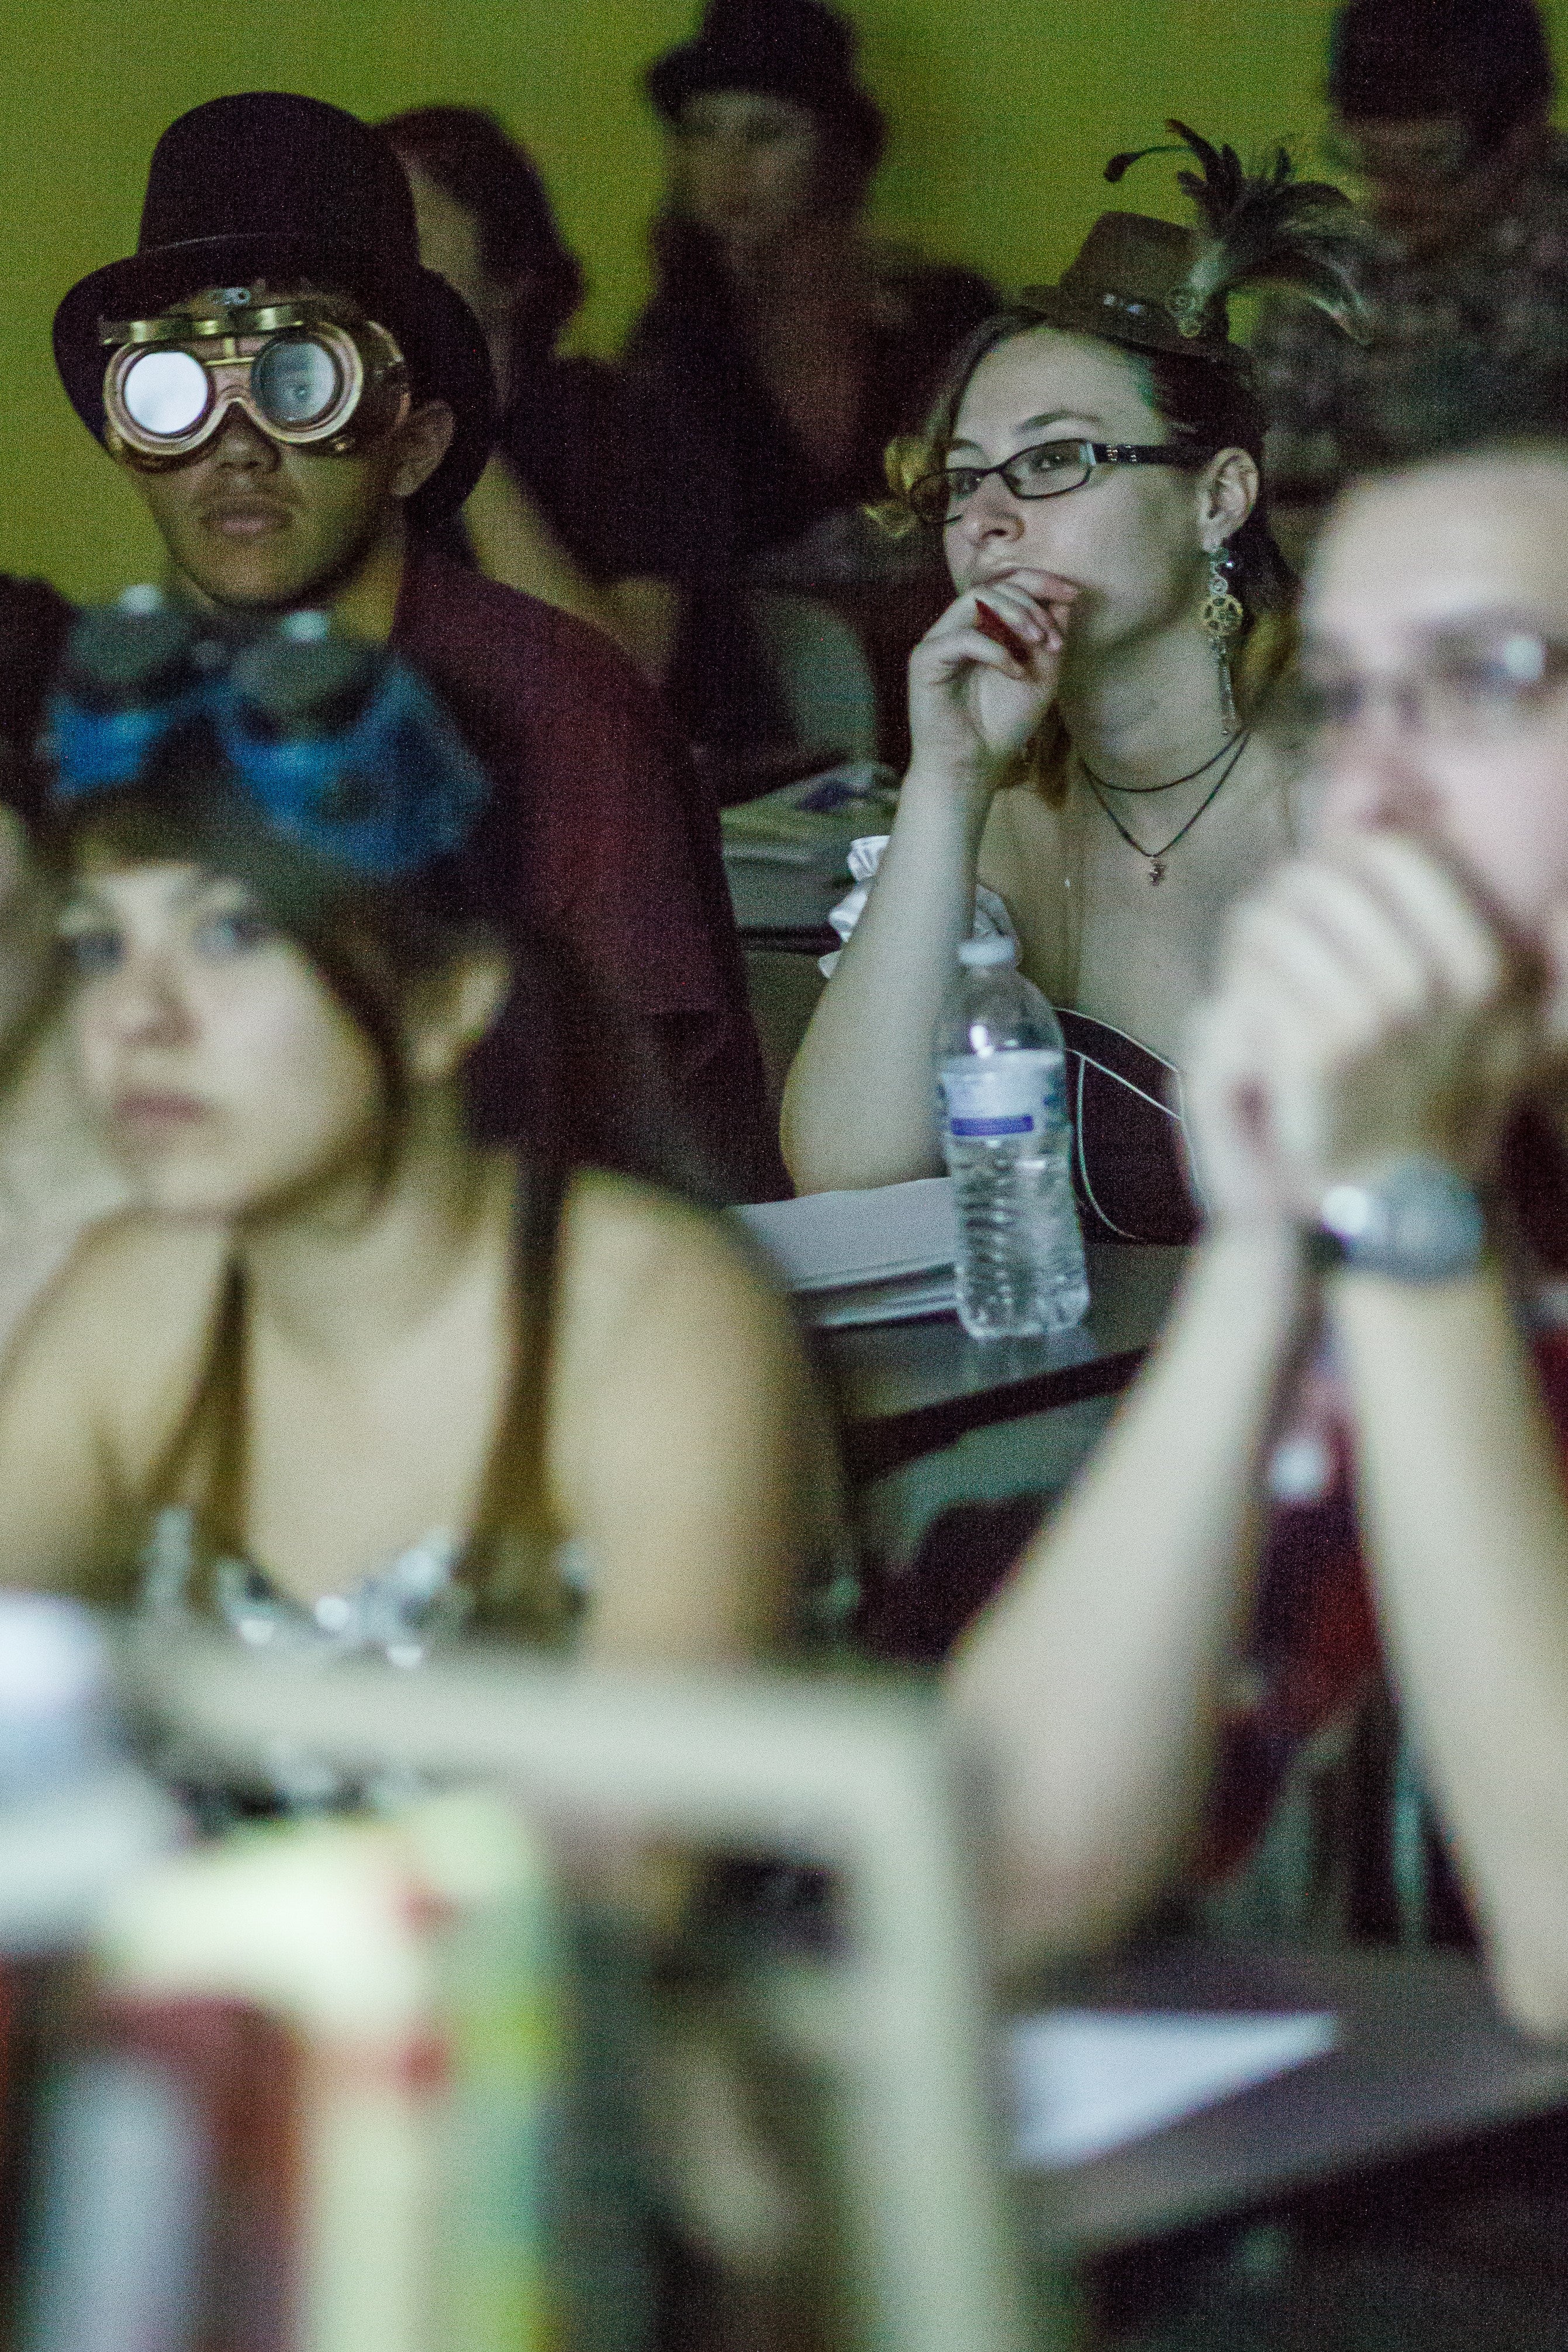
<point x="1423" y="2060"/>
<point x="909" y="1388"/>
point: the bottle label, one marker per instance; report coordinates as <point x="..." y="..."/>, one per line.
<point x="1018" y="1093"/>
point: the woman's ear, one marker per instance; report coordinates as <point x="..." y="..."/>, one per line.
<point x="1228" y="492"/>
<point x="454" y="1010"/>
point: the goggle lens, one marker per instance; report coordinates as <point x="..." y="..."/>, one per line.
<point x="166" y="393"/>
<point x="296" y="381"/>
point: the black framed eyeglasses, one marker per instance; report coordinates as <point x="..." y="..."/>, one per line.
<point x="1045" y="471"/>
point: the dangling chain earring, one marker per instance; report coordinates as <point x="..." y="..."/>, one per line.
<point x="1222" y="619"/>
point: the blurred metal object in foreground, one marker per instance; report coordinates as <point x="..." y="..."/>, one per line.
<point x="864" y="1783"/>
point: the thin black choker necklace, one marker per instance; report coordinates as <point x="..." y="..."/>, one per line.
<point x="1156" y="857"/>
<point x="1141" y="791"/>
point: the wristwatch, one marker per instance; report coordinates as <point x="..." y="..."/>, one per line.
<point x="1415" y="1220"/>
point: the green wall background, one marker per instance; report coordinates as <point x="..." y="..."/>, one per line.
<point x="1002" y="115"/>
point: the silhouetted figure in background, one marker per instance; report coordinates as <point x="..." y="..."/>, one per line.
<point x="1442" y="114"/>
<point x="555" y="512"/>
<point x="1443" y="111"/>
<point x="783" y="348"/>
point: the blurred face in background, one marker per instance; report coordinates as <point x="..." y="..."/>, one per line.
<point x="1435" y="657"/>
<point x="746" y="167"/>
<point x="451" y="243"/>
<point x="1430" y="181"/>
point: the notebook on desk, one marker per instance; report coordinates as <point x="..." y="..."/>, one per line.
<point x="784" y="853"/>
<point x="877" y="1256"/>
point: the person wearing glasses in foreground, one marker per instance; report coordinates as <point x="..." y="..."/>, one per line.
<point x="1377" y="1093"/>
<point x="1081" y="712"/>
<point x="351" y="1378"/>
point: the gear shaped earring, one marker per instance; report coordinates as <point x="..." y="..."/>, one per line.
<point x="1222" y="619"/>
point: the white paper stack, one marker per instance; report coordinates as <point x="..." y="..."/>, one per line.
<point x="1087" y="2081"/>
<point x="784" y="853"/>
<point x="878" y="1257"/>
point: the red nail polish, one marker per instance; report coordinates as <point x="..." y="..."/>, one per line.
<point x="991" y="625"/>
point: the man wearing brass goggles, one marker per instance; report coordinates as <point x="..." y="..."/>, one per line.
<point x="288" y="387"/>
<point x="310" y="371"/>
<point x="297" y="400"/>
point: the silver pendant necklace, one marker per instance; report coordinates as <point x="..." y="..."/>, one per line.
<point x="1156" y="858"/>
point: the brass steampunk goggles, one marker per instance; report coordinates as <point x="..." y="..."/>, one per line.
<point x="306" y="370"/>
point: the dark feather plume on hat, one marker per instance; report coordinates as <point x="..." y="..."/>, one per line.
<point x="1264" y="228"/>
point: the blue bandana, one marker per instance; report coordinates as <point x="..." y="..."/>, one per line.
<point x="343" y="749"/>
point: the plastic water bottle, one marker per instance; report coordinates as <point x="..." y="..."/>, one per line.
<point x="1002" y="1072"/>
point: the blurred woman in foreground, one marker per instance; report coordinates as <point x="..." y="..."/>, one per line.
<point x="1378" y="1098"/>
<point x="351" y="1377"/>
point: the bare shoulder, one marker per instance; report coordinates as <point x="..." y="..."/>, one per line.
<point x="128" y="1314"/>
<point x="631" y="1253"/>
<point x="687" y="1448"/>
<point x="663" y="1319"/>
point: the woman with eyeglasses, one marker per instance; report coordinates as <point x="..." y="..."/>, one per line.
<point x="1081" y="713"/>
<point x="1351" y="1444"/>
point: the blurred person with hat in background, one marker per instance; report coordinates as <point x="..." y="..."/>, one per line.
<point x="296" y="399"/>
<point x="784" y="346"/>
<point x="1443" y="112"/>
<point x="1442" y="121"/>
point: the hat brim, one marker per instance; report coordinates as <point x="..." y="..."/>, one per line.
<point x="697" y="66"/>
<point x="436" y="331"/>
<point x="1138" y="323"/>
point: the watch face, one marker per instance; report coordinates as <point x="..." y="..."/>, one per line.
<point x="1417" y="1222"/>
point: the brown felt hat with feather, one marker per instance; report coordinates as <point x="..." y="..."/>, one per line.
<point x="1151" y="286"/>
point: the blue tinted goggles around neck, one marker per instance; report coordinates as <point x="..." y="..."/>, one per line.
<point x="343" y="750"/>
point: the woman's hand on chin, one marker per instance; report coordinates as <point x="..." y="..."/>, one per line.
<point x="983" y="677"/>
<point x="1368" y="1009"/>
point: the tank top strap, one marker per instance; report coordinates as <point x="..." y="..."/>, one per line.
<point x="213" y="1420"/>
<point x="517" y="1545"/>
<point x="512" y="1563"/>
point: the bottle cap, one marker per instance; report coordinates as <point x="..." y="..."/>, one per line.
<point x="979" y="955"/>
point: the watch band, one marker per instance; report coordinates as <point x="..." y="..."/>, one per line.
<point x="1416" y="1220"/>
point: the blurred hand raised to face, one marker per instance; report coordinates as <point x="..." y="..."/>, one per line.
<point x="1395" y="990"/>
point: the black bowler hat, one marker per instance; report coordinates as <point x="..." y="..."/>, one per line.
<point x="1400" y="61"/>
<point x="793" y="49"/>
<point x="272" y="186"/>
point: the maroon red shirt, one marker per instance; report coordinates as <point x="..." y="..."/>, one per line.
<point x="617" y="838"/>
